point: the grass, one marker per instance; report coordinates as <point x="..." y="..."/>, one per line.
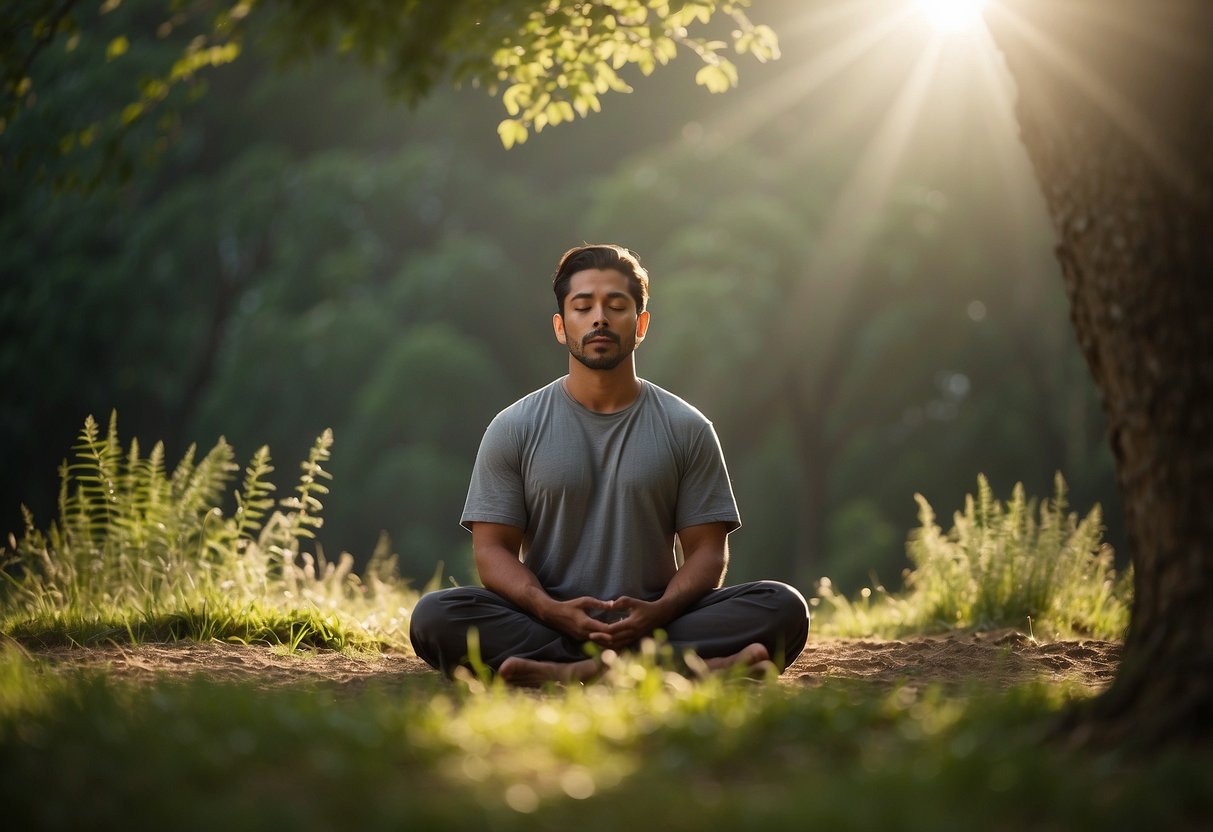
<point x="251" y="624"/>
<point x="141" y="554"/>
<point x="138" y="554"/>
<point x="1024" y="563"/>
<point x="646" y="749"/>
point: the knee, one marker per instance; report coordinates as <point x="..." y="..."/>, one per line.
<point x="424" y="620"/>
<point x="786" y="601"/>
<point x="424" y="611"/>
<point x="430" y="619"/>
<point x="790" y="613"/>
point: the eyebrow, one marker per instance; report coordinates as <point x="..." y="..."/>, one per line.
<point x="590" y="295"/>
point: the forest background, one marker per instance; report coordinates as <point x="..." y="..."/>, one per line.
<point x="852" y="270"/>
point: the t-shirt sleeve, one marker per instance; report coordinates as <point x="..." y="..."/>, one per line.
<point x="495" y="494"/>
<point x="705" y="494"/>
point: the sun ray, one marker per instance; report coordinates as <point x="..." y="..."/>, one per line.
<point x="802" y="80"/>
<point x="1016" y="183"/>
<point x="819" y="18"/>
<point x="859" y="206"/>
<point x="1135" y="126"/>
<point x="1154" y="30"/>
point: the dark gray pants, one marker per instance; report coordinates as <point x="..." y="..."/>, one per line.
<point x="724" y="621"/>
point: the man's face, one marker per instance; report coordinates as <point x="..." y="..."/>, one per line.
<point x="600" y="324"/>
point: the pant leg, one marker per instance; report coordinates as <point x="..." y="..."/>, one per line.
<point x="441" y="620"/>
<point x="725" y="620"/>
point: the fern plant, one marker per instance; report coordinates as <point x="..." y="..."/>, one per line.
<point x="139" y="551"/>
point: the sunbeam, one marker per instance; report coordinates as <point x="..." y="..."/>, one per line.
<point x="1016" y="185"/>
<point x="800" y="81"/>
<point x="1136" y="127"/>
<point x="859" y="206"/>
<point x="869" y="186"/>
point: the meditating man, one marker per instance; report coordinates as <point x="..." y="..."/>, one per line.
<point x="577" y="494"/>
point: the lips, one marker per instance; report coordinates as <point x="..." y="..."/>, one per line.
<point x="601" y="339"/>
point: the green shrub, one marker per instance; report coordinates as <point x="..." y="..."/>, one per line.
<point x="138" y="553"/>
<point x="1024" y="563"/>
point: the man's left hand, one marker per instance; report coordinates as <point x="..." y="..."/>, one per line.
<point x="640" y="619"/>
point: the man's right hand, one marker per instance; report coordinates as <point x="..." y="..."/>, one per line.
<point x="573" y="618"/>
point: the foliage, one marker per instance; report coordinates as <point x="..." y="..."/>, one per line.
<point x="1019" y="564"/>
<point x="89" y="92"/>
<point x="644" y="750"/>
<point x="307" y="254"/>
<point x="140" y="553"/>
<point x="551" y="61"/>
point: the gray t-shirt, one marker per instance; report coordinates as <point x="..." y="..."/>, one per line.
<point x="600" y="495"/>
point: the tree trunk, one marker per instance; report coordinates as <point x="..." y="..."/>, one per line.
<point x="1116" y="111"/>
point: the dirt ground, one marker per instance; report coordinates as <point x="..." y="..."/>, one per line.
<point x="999" y="659"/>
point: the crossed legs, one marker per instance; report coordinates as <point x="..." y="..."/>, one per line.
<point x="749" y="623"/>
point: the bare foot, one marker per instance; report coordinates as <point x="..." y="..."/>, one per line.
<point x="531" y="673"/>
<point x="754" y="658"/>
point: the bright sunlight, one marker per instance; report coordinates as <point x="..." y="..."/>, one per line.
<point x="952" y="16"/>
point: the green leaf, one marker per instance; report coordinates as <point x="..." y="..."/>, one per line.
<point x="512" y="132"/>
<point x="716" y="77"/>
<point x="117" y="48"/>
<point x="131" y="112"/>
<point x="516" y="96"/>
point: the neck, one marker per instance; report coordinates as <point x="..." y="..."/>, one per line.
<point x="603" y="391"/>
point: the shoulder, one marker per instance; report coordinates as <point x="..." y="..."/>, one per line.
<point x="677" y="410"/>
<point x="526" y="409"/>
<point x="518" y="423"/>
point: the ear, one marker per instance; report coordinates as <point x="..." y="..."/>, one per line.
<point x="558" y="328"/>
<point x="642" y="325"/>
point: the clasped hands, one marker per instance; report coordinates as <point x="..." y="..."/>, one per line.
<point x="636" y="619"/>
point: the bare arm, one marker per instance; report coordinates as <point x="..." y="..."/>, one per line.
<point x="705" y="551"/>
<point x="495" y="549"/>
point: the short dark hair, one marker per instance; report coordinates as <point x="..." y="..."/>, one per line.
<point x="603" y="256"/>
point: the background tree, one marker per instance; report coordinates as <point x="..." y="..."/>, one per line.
<point x="305" y="255"/>
<point x="1116" y="108"/>
<point x="550" y="62"/>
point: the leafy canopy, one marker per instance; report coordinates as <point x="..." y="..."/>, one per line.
<point x="549" y="61"/>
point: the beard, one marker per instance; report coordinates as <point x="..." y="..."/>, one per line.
<point x="605" y="361"/>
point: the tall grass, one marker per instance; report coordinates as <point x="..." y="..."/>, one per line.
<point x="140" y="553"/>
<point x="1024" y="563"/>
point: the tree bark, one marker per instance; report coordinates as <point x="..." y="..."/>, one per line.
<point x="1116" y="111"/>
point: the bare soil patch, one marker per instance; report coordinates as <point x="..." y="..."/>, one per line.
<point x="998" y="659"/>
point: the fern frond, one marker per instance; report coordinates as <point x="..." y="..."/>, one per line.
<point x="303" y="511"/>
<point x="254" y="501"/>
<point x="90" y="510"/>
<point x="202" y="488"/>
<point x="183" y="471"/>
<point x="155" y="492"/>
